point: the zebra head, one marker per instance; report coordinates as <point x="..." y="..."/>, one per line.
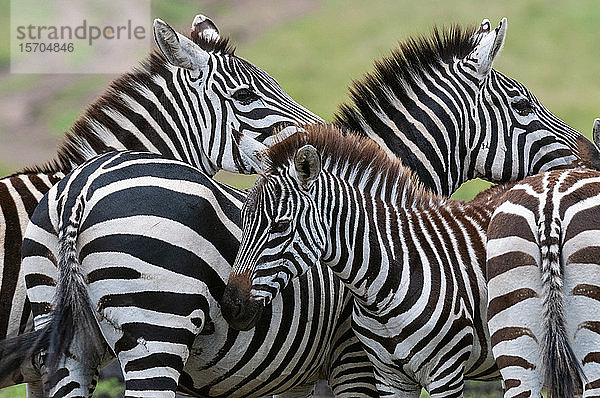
<point x="515" y="135"/>
<point x="283" y="237"/>
<point x="232" y="106"/>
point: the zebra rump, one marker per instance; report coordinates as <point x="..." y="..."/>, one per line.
<point x="543" y="278"/>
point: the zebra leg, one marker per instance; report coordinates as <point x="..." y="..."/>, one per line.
<point x="582" y="299"/>
<point x="514" y="314"/>
<point x="152" y="369"/>
<point x="350" y="372"/>
<point x="35" y="389"/>
<point x="393" y="385"/>
<point x="152" y="350"/>
<point x="74" y="379"/>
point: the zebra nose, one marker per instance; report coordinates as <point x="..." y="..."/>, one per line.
<point x="237" y="308"/>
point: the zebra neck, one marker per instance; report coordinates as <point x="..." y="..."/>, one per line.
<point x="428" y="124"/>
<point x="357" y="247"/>
<point x="150" y="110"/>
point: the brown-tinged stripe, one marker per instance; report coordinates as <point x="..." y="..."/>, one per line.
<point x="507" y="261"/>
<point x="586" y="290"/>
<point x="510" y="333"/>
<point x="504" y="361"/>
<point x="500" y="303"/>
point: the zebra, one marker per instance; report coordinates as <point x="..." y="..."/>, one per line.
<point x="543" y="281"/>
<point x="193" y="100"/>
<point x="564" y="152"/>
<point x="414" y="261"/>
<point x="437" y="104"/>
<point x="151" y="275"/>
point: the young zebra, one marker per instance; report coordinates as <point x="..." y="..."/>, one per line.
<point x="543" y="272"/>
<point x="412" y="260"/>
<point x="556" y="139"/>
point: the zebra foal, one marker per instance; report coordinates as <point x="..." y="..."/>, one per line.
<point x="412" y="260"/>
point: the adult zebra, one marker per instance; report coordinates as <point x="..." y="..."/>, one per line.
<point x="192" y="100"/>
<point x="438" y="105"/>
<point x="564" y="146"/>
<point x="413" y="261"/>
<point x="154" y="274"/>
<point x="543" y="278"/>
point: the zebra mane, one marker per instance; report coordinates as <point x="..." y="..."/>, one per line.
<point x="413" y="59"/>
<point x="80" y="142"/>
<point x="358" y="160"/>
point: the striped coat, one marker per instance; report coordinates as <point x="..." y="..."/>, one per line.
<point x="543" y="273"/>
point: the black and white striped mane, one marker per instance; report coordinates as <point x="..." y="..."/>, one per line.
<point x="413" y="59"/>
<point x="356" y="159"/>
<point x="75" y="148"/>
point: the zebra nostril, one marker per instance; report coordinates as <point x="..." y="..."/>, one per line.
<point x="236" y="310"/>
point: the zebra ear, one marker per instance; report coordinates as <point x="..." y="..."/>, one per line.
<point x="203" y="28"/>
<point x="596" y="132"/>
<point x="308" y="165"/>
<point x="489" y="43"/>
<point x="178" y="49"/>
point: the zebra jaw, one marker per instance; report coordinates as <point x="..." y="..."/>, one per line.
<point x="239" y="309"/>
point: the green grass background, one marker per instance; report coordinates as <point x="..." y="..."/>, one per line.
<point x="551" y="47"/>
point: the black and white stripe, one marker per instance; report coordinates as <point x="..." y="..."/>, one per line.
<point x="412" y="260"/>
<point x="438" y="105"/>
<point x="215" y="115"/>
<point x="543" y="272"/>
<point x="143" y="246"/>
<point x="451" y="46"/>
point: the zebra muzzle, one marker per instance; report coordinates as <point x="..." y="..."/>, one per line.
<point x="239" y="310"/>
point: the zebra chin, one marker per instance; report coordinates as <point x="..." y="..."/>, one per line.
<point x="239" y="309"/>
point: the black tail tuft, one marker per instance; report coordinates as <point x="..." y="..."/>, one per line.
<point x="15" y="351"/>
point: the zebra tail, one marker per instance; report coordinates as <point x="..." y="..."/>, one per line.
<point x="562" y="372"/>
<point x="15" y="351"/>
<point x="73" y="316"/>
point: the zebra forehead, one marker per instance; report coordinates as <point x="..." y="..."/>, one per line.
<point x="258" y="193"/>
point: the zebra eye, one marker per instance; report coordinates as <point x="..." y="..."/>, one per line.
<point x="523" y="107"/>
<point x="280" y="225"/>
<point x="245" y="96"/>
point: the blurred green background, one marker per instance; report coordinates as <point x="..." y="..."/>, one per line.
<point x="314" y="49"/>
